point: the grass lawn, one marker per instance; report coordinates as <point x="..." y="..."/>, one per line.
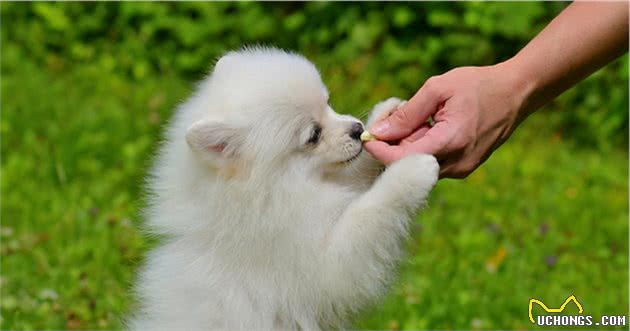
<point x="543" y="218"/>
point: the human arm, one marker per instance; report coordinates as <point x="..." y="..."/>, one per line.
<point x="475" y="109"/>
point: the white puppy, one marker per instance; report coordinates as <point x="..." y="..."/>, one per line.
<point x="273" y="216"/>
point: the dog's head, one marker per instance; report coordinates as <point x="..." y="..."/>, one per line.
<point x="269" y="107"/>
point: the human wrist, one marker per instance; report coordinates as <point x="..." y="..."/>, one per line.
<point x="523" y="84"/>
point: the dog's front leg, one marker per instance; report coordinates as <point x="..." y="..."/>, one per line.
<point x="383" y="109"/>
<point x="366" y="242"/>
<point x="367" y="167"/>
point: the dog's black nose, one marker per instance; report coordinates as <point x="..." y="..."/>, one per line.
<point x="356" y="130"/>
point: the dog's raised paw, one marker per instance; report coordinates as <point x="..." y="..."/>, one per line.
<point x="384" y="108"/>
<point x="419" y="169"/>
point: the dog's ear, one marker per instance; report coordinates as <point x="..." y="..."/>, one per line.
<point x="215" y="137"/>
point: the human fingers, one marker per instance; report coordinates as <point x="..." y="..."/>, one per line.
<point x="385" y="152"/>
<point x="432" y="142"/>
<point x="412" y="114"/>
<point x="419" y="133"/>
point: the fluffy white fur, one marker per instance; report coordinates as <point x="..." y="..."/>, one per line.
<point x="266" y="230"/>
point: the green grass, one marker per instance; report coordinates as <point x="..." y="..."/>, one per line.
<point x="77" y="142"/>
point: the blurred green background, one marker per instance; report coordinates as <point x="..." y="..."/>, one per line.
<point x="86" y="89"/>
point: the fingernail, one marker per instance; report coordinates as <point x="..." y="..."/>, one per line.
<point x="379" y="128"/>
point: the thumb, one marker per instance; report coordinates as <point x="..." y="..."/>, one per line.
<point x="411" y="115"/>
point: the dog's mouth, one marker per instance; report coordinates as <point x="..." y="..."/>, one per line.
<point x="354" y="157"/>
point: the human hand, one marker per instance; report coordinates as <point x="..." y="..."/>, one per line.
<point x="474" y="110"/>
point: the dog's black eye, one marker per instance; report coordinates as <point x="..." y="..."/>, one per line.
<point x="317" y="132"/>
